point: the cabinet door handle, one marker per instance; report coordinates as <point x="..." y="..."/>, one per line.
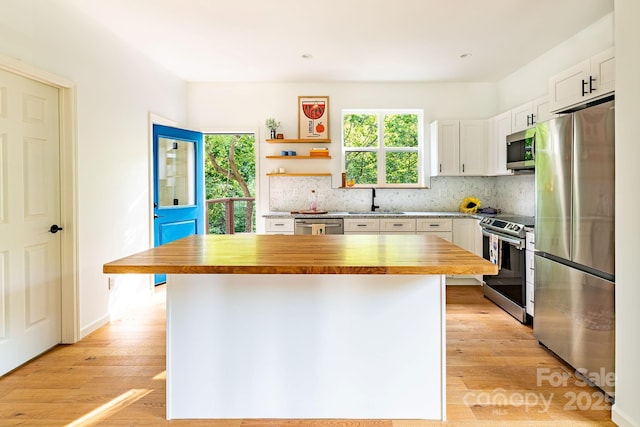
<point x="440" y="167"/>
<point x="533" y="119"/>
<point x="463" y="168"/>
<point x="584" y="85"/>
<point x="591" y="80"/>
<point x="529" y="120"/>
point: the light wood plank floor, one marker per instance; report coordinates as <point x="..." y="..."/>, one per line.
<point x="115" y="377"/>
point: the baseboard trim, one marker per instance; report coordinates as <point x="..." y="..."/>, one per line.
<point x="620" y="419"/>
<point x="94" y="326"/>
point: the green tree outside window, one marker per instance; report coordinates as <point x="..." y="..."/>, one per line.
<point x="230" y="171"/>
<point x="394" y="162"/>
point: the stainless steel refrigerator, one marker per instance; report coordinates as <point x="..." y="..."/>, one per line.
<point x="574" y="231"/>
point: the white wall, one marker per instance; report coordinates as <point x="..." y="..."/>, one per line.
<point x="117" y="89"/>
<point x="626" y="411"/>
<point x="531" y="81"/>
<point x="241" y="106"/>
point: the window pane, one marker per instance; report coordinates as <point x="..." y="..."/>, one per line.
<point x="400" y="130"/>
<point x="176" y="172"/>
<point x="362" y="167"/>
<point x="361" y="130"/>
<point x="402" y="168"/>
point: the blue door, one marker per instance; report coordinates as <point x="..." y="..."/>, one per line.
<point x="178" y="189"/>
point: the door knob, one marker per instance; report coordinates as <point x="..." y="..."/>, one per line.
<point x="54" y="229"/>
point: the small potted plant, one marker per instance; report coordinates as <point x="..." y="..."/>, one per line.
<point x="272" y="125"/>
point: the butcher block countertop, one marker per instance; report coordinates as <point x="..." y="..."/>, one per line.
<point x="304" y="254"/>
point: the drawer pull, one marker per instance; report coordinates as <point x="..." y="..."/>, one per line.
<point x="361" y="225"/>
<point x="434" y="225"/>
<point x="398" y="225"/>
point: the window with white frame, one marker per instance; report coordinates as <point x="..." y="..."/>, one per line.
<point x="383" y="147"/>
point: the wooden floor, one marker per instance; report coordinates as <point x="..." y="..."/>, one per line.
<point x="497" y="374"/>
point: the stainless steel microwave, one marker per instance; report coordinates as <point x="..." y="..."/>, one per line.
<point x="521" y="150"/>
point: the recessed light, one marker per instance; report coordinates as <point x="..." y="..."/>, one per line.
<point x="306" y="56"/>
<point x="465" y="55"/>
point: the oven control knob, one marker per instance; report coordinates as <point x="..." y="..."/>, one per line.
<point x="516" y="228"/>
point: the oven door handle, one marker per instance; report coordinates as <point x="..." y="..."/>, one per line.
<point x="510" y="240"/>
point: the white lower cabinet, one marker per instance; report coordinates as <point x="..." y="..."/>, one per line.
<point x="380" y="225"/>
<point x="279" y="226"/>
<point x="438" y="227"/>
<point x="361" y="226"/>
<point x="397" y="226"/>
<point x="468" y="235"/>
<point x="530" y="272"/>
<point x="463" y="232"/>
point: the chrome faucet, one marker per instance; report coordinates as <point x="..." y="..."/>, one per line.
<point x="373" y="200"/>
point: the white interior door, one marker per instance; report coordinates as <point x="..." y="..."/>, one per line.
<point x="30" y="284"/>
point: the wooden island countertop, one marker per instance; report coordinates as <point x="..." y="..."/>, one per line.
<point x="303" y="254"/>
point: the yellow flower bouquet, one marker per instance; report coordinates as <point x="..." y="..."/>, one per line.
<point x="470" y="205"/>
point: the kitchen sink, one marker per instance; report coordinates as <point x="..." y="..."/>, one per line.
<point x="376" y="213"/>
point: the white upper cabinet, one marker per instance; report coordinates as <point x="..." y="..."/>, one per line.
<point x="603" y="67"/>
<point x="527" y="115"/>
<point x="498" y="128"/>
<point x="473" y="147"/>
<point x="458" y="147"/>
<point x="587" y="81"/>
<point x="521" y="117"/>
<point x="541" y="111"/>
<point x="445" y="147"/>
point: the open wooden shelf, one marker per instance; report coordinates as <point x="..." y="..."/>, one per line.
<point x="296" y="157"/>
<point x="308" y="141"/>
<point x="300" y="174"/>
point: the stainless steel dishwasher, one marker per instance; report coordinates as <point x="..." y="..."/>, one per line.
<point x="331" y="225"/>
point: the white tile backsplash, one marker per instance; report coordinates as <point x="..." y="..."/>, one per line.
<point x="511" y="194"/>
<point x="516" y="194"/>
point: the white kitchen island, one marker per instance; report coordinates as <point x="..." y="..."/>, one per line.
<point x="305" y="326"/>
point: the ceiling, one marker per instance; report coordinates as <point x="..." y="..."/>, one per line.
<point x="348" y="40"/>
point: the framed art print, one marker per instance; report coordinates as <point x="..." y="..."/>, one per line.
<point x="313" y="117"/>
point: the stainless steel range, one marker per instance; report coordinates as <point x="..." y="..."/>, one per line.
<point x="503" y="244"/>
